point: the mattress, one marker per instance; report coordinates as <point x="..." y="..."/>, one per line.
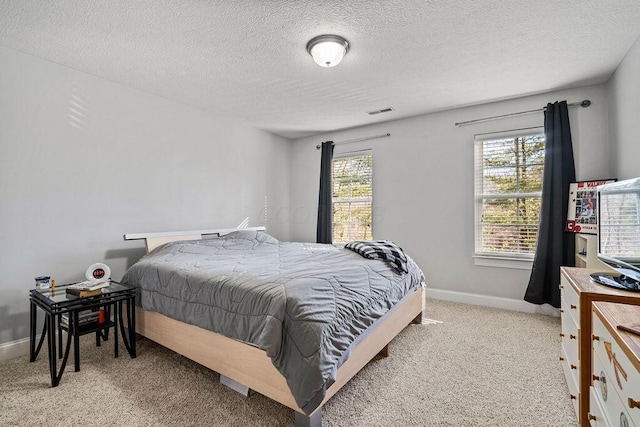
<point x="304" y="304"/>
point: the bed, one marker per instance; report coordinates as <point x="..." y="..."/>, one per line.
<point x="292" y="321"/>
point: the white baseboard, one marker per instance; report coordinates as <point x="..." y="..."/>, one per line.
<point x="491" y="301"/>
<point x="16" y="348"/>
<point x="21" y="347"/>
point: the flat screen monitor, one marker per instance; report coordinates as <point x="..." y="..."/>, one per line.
<point x="619" y="234"/>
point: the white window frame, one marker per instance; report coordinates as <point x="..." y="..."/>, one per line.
<point x="354" y="154"/>
<point x="493" y="259"/>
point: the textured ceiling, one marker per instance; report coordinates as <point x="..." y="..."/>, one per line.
<point x="247" y="58"/>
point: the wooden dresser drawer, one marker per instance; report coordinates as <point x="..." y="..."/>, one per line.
<point x="608" y="391"/>
<point x="572" y="381"/>
<point x="621" y="374"/>
<point x="596" y="413"/>
<point x="570" y="332"/>
<point x="571" y="298"/>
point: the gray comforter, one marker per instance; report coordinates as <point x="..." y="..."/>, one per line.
<point x="303" y="303"/>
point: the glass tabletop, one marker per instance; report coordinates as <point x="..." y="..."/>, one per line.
<point x="59" y="294"/>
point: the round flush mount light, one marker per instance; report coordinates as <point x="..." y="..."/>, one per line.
<point x="328" y="50"/>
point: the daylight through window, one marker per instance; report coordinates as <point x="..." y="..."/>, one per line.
<point x="352" y="197"/>
<point x="508" y="175"/>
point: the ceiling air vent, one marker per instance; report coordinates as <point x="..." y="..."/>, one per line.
<point x="384" y="110"/>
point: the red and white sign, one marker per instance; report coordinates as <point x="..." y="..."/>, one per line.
<point x="582" y="216"/>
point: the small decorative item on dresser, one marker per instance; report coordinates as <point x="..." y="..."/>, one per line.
<point x="633" y="328"/>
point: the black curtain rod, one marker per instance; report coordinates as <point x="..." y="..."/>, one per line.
<point x="583" y="104"/>
<point x="364" y="138"/>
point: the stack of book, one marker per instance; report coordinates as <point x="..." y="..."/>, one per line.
<point x="87" y="288"/>
<point x="84" y="317"/>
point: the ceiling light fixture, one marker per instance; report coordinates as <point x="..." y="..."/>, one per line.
<point x="328" y="50"/>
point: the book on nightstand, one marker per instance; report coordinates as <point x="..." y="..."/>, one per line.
<point x="87" y="289"/>
<point x="84" y="294"/>
<point x="84" y="317"/>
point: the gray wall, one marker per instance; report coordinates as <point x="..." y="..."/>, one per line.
<point x="84" y="160"/>
<point x="624" y="115"/>
<point x="424" y="187"/>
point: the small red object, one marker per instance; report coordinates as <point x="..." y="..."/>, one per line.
<point x="101" y="316"/>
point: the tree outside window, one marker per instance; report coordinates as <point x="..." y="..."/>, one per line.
<point x="509" y="175"/>
<point x="352" y="198"/>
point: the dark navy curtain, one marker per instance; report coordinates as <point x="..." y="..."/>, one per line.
<point x="555" y="246"/>
<point x="324" y="233"/>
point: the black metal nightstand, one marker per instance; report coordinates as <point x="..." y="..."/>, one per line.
<point x="57" y="302"/>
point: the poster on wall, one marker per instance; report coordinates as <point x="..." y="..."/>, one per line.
<point x="582" y="216"/>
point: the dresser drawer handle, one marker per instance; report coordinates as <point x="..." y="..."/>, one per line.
<point x="595" y="378"/>
<point x="592" y="417"/>
<point x="572" y="396"/>
<point x="572" y="337"/>
<point x="573" y="306"/>
<point x="634" y="403"/>
<point x="574" y="367"/>
<point x="561" y="311"/>
<point x="561" y="287"/>
<point x="561" y="358"/>
<point x="595" y="337"/>
<point x="561" y="335"/>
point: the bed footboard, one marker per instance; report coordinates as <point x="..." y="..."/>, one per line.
<point x="251" y="366"/>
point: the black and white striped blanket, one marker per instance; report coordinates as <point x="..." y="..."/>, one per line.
<point x="381" y="249"/>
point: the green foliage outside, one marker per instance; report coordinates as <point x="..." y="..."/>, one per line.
<point x="511" y="183"/>
<point x="352" y="196"/>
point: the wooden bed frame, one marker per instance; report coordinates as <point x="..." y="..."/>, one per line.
<point x="251" y="366"/>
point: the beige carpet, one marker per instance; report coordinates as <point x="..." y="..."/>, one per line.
<point x="479" y="367"/>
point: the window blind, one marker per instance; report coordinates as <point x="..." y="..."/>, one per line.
<point x="352" y="197"/>
<point x="508" y="190"/>
<point x="620" y="225"/>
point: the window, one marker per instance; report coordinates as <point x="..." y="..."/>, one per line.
<point x="352" y="197"/>
<point x="508" y="175"/>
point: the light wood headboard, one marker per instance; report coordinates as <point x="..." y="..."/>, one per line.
<point x="153" y="240"/>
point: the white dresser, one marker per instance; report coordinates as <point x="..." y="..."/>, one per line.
<point x="615" y="393"/>
<point x="570" y="356"/>
<point x="577" y="293"/>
